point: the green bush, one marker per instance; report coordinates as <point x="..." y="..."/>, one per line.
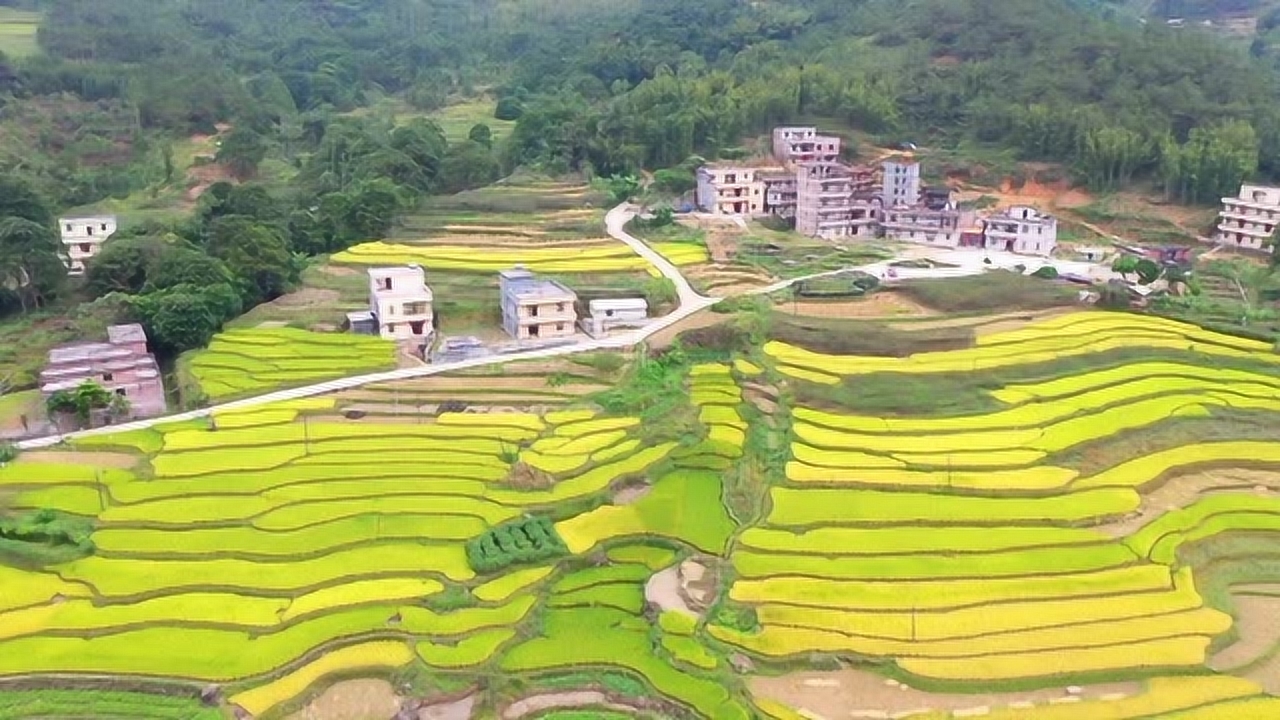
<point x="1048" y="272"/>
<point x="508" y="108"/>
<point x="516" y="542"/>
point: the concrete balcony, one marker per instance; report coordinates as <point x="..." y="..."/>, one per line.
<point x="1250" y="231"/>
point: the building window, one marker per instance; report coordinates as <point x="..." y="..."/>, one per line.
<point x="88" y="229"/>
<point x="559" y="307"/>
<point x="121" y="392"/>
<point x="608" y="313"/>
<point x="415" y="308"/>
<point x="533" y="311"/>
<point x="68" y="227"/>
<point x="559" y="327"/>
<point x="104" y="227"/>
<point x="108" y="377"/>
<point x="84" y="247"/>
<point x="391" y="327"/>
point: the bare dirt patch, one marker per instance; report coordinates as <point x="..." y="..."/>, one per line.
<point x="339" y="271"/>
<point x="631" y="493"/>
<point x="352" y="700"/>
<point x="307" y="298"/>
<point x="537" y="704"/>
<point x="982" y="325"/>
<point x="857" y="693"/>
<point x="705" y="318"/>
<point x="123" y="461"/>
<point x="877" y="305"/>
<point x="1256" y="628"/>
<point x="663" y="591"/>
<point x="1182" y="490"/>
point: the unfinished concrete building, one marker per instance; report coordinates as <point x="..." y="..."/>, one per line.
<point x="121" y="365"/>
<point x="1249" y="220"/>
<point x="1021" y="229"/>
<point x="829" y="205"/>
<point x="901" y="183"/>
<point x="534" y="308"/>
<point x="804" y="144"/>
<point x="83" y="237"/>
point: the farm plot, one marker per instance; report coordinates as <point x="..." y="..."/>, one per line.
<point x="974" y="552"/>
<point x="1065" y="336"/>
<point x="242" y="361"/>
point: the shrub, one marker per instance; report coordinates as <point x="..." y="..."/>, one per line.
<point x="1048" y="272"/>
<point x="522" y="541"/>
<point x="508" y="108"/>
<point x="675" y="182"/>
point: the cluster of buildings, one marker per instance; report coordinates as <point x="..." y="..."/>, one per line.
<point x="533" y="308"/>
<point x="806" y="181"/>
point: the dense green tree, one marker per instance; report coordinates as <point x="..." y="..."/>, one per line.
<point x="123" y="265"/>
<point x="481" y="134"/>
<point x="256" y="254"/>
<point x="241" y="151"/>
<point x="469" y="165"/>
<point x="31" y="266"/>
<point x="179" y="265"/>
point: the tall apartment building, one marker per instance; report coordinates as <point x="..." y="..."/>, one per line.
<point x="1249" y="220"/>
<point x="82" y="239"/>
<point x="121" y="365"/>
<point x="1023" y="230"/>
<point x="725" y="189"/>
<point x="401" y="303"/>
<point x="901" y="183"/>
<point x="804" y="144"/>
<point x="829" y="204"/>
<point x="533" y="308"/>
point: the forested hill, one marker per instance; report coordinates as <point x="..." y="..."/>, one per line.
<point x="96" y="109"/>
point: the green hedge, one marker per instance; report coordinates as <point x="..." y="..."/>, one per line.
<point x="516" y="542"/>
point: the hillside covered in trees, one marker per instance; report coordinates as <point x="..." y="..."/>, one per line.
<point x="597" y="86"/>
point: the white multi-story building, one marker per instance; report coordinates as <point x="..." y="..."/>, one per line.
<point x="1023" y="230"/>
<point x="725" y="189"/>
<point x="401" y="303"/>
<point x="901" y="183"/>
<point x="82" y="239"/>
<point x="533" y="308"/>
<point x="1249" y="220"/>
<point x="804" y="144"/>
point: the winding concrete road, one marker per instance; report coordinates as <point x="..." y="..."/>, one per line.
<point x="965" y="262"/>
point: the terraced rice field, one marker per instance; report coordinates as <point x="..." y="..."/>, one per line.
<point x="555" y="235"/>
<point x="254" y="360"/>
<point x="990" y="553"/>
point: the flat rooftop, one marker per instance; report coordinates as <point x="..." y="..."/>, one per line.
<point x="126" y="334"/>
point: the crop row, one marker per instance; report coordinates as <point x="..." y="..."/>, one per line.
<point x="1212" y="515"/>
<point x="1046" y="348"/>
<point x="1152" y="644"/>
<point x="382" y="654"/>
<point x="548" y="260"/>
<point x="1077" y="384"/>
<point x="1012" y="615"/>
<point x="1055" y="437"/>
<point x="684" y="506"/>
<point x="227" y="655"/>
<point x="822" y="506"/>
<point x="1088" y="322"/>
<point x="575" y="637"/>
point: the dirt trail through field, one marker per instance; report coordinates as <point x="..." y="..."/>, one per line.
<point x="122" y="461"/>
<point x="859" y="694"/>
<point x="1183" y="490"/>
<point x="352" y="700"/>
<point x="1257" y="629"/>
<point x="538" y="704"/>
<point x="879" y="305"/>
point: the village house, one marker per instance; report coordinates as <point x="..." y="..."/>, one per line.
<point x="534" y="308"/>
<point x="830" y="202"/>
<point x="1249" y="220"/>
<point x="804" y="144"/>
<point x="401" y="304"/>
<point x="728" y="189"/>
<point x="607" y="314"/>
<point x="121" y="365"/>
<point x="901" y="183"/>
<point x="82" y="239"/>
<point x="1023" y="230"/>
